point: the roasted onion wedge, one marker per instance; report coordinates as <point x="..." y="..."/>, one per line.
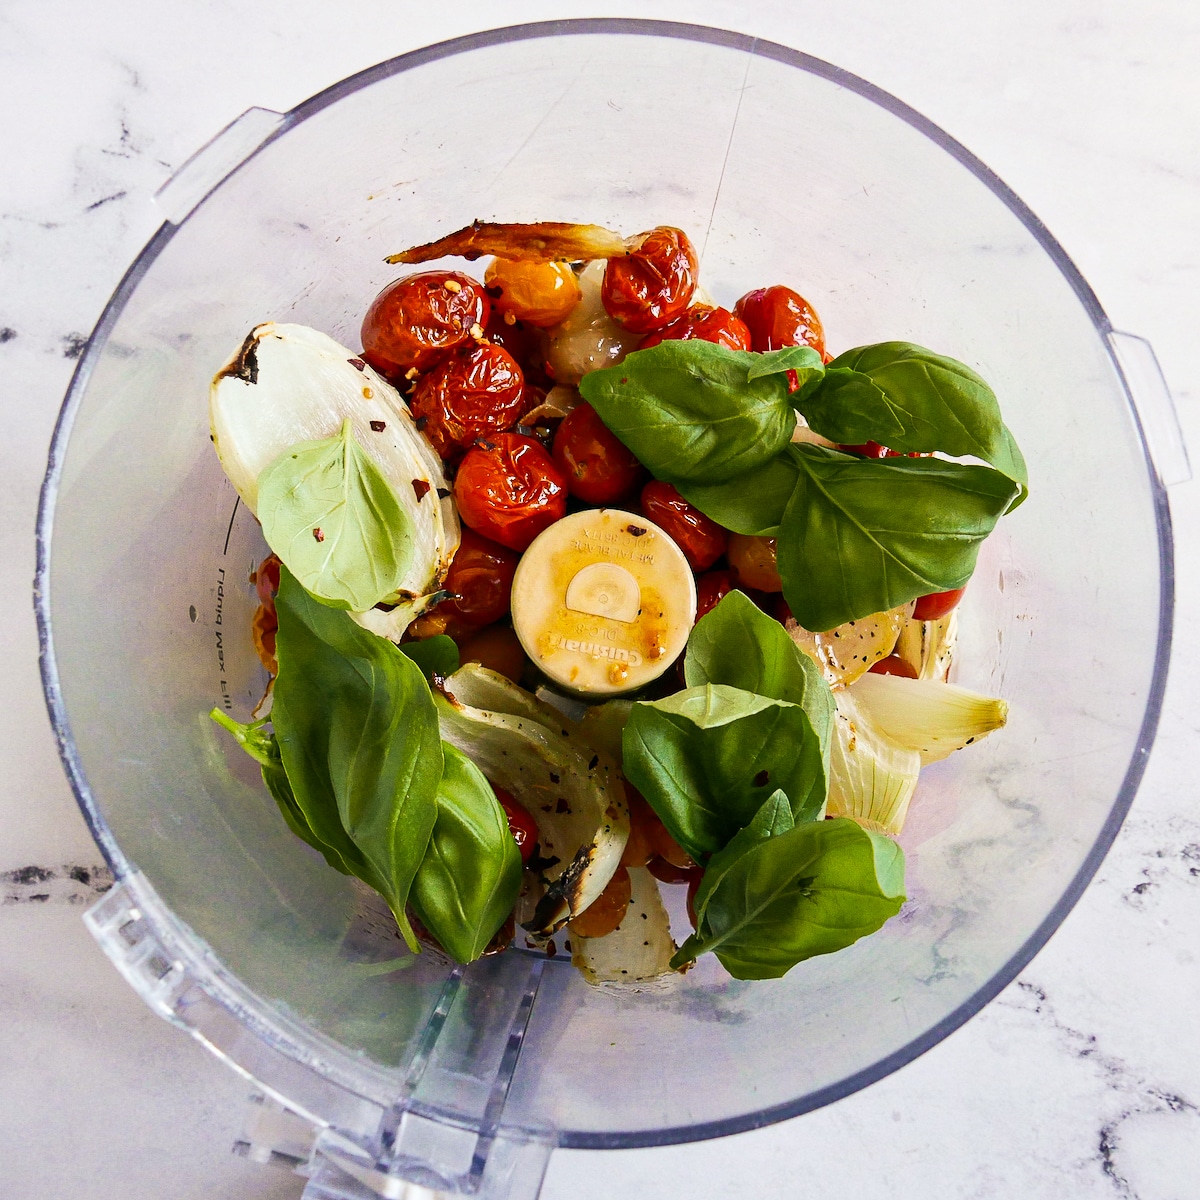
<point x="572" y="791"/>
<point x="542" y="241"/>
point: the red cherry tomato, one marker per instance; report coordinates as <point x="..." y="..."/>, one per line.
<point x="653" y="284"/>
<point x="708" y="324"/>
<point x="668" y="872"/>
<point x="509" y="489"/>
<point x="522" y="341"/>
<point x="894" y="665"/>
<point x="481" y="575"/>
<point x="598" y="467"/>
<point x="778" y="317"/>
<point x="418" y="318"/>
<point x="937" y="604"/>
<point x="867" y="450"/>
<point x="711" y="588"/>
<point x="475" y="391"/>
<point x="520" y="824"/>
<point x="266" y="578"/>
<point x="701" y="539"/>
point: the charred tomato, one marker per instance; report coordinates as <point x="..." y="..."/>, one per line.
<point x="653" y="284"/>
<point x="598" y="466"/>
<point x="700" y="538"/>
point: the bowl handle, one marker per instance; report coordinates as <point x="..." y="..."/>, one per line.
<point x="215" y="161"/>
<point x="1154" y="407"/>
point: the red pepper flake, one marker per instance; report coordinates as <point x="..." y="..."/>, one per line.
<point x="635" y="530"/>
<point x="562" y="806"/>
<point x="443" y="493"/>
<point x="420" y="487"/>
<point x="357" y="364"/>
<point x="551" y="949"/>
<point x="378" y="426"/>
<point x="319" y="534"/>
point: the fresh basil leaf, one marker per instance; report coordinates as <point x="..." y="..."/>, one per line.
<point x="910" y="399"/>
<point x="738" y="644"/>
<point x="706" y="758"/>
<point x="863" y="535"/>
<point x="469" y="878"/>
<point x="331" y="516"/>
<point x="437" y="655"/>
<point x="774" y="818"/>
<point x="790" y="358"/>
<point x="263" y="747"/>
<point x="690" y="412"/>
<point x="773" y="902"/>
<point x="753" y="503"/>
<point x="358" y="737"/>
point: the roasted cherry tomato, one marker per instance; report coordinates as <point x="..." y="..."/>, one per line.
<point x="643" y="829"/>
<point x="481" y="575"/>
<point x="523" y="342"/>
<point x="418" y="318"/>
<point x="701" y="539"/>
<point x="706" y="323"/>
<point x="894" y="665"/>
<point x="711" y="588"/>
<point x="509" y="489"/>
<point x="607" y="911"/>
<point x="475" y="391"/>
<point x="263" y="628"/>
<point x="937" y="604"/>
<point x="668" y="872"/>
<point x="520" y="824"/>
<point x="266" y="578"/>
<point x="540" y="293"/>
<point x="496" y="647"/>
<point x="653" y="284"/>
<point x="778" y="317"/>
<point x="868" y="450"/>
<point x="752" y="563"/>
<point x="598" y="467"/>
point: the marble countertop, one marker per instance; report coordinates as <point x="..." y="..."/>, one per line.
<point x="1083" y="1077"/>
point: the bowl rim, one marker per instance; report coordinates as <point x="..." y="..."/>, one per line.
<point x="122" y="868"/>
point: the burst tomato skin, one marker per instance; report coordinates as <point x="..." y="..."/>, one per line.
<point x="653" y="284"/>
<point x="266" y="578"/>
<point x="708" y="324"/>
<point x="509" y="489"/>
<point x="700" y="538"/>
<point x="415" y="320"/>
<point x="937" y="604"/>
<point x="520" y="824"/>
<point x="475" y="391"/>
<point x="598" y="466"/>
<point x="711" y="588"/>
<point x="779" y="317"/>
<point x="481" y="575"/>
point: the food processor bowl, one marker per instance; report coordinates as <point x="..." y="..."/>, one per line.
<point x="783" y="169"/>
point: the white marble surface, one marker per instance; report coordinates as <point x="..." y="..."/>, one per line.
<point x="1083" y="1078"/>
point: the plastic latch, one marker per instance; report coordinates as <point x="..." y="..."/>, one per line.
<point x="1155" y="408"/>
<point x="467" y="1068"/>
<point x="274" y="1134"/>
<point x="215" y="161"/>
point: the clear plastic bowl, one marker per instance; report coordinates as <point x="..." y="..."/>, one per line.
<point x="784" y="169"/>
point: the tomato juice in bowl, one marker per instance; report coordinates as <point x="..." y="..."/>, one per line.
<point x="892" y="230"/>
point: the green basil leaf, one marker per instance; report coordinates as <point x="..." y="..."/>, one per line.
<point x="469" y="878"/>
<point x="863" y="535"/>
<point x="774" y="818"/>
<point x="738" y="644"/>
<point x="707" y="758"/>
<point x="263" y="747"/>
<point x="753" y="503"/>
<point x="790" y="358"/>
<point x="690" y="412"/>
<point x="437" y="655"/>
<point x="358" y="737"/>
<point x="910" y="399"/>
<point x="331" y="516"/>
<point x="776" y="901"/>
